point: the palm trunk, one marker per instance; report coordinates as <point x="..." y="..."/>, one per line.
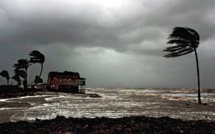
<point x="41" y="70"/>
<point x="7" y="81"/>
<point x="198" y="75"/>
<point x="25" y="82"/>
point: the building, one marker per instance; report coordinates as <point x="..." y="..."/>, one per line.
<point x="66" y="82"/>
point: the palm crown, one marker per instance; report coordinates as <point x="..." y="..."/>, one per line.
<point x="19" y="66"/>
<point x="5" y="74"/>
<point x="22" y="64"/>
<point x="37" y="57"/>
<point x="186" y="40"/>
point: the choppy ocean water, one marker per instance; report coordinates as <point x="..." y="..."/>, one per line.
<point x="116" y="103"/>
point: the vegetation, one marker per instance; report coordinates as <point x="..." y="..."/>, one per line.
<point x="37" y="57"/>
<point x="21" y="69"/>
<point x="186" y="41"/>
<point x="5" y="74"/>
<point x="16" y="77"/>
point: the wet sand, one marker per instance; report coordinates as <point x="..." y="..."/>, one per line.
<point x="13" y="108"/>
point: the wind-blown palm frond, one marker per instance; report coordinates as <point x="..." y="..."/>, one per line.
<point x="5" y="74"/>
<point x="20" y="73"/>
<point x="16" y="77"/>
<point x="37" y="57"/>
<point x="21" y="68"/>
<point x="22" y="64"/>
<point x="186" y="40"/>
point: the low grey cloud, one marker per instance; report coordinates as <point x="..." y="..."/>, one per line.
<point x="112" y="43"/>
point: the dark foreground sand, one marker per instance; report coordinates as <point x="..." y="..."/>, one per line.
<point x="133" y="124"/>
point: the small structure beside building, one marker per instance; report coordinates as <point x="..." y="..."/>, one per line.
<point x="66" y="82"/>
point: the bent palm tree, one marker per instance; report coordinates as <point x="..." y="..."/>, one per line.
<point x="16" y="77"/>
<point x="37" y="57"/>
<point x="22" y="64"/>
<point x="18" y="74"/>
<point x="5" y="74"/>
<point x="187" y="41"/>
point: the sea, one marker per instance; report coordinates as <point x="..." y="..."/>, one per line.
<point x="115" y="103"/>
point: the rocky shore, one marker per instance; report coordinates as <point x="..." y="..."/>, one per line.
<point x="12" y="91"/>
<point x="135" y="124"/>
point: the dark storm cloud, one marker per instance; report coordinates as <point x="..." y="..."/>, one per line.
<point x="88" y="24"/>
<point x="194" y="13"/>
<point x="113" y="43"/>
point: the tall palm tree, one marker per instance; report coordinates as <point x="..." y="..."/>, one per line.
<point x="5" y="74"/>
<point x="21" y="68"/>
<point x="186" y="41"/>
<point x="37" y="57"/>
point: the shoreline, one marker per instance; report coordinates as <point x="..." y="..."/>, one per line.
<point x="103" y="124"/>
<point x="36" y="96"/>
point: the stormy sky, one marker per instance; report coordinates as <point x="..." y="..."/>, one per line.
<point x="112" y="43"/>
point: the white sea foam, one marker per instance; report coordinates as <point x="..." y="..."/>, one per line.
<point x="3" y="100"/>
<point x="114" y="104"/>
<point x="36" y="96"/>
<point x="23" y="97"/>
<point x="11" y="108"/>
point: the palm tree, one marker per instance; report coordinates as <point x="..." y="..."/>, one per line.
<point x="21" y="69"/>
<point x="22" y="64"/>
<point x="37" y="57"/>
<point x="38" y="79"/>
<point x="16" y="77"/>
<point x="5" y="74"/>
<point x="187" y="41"/>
